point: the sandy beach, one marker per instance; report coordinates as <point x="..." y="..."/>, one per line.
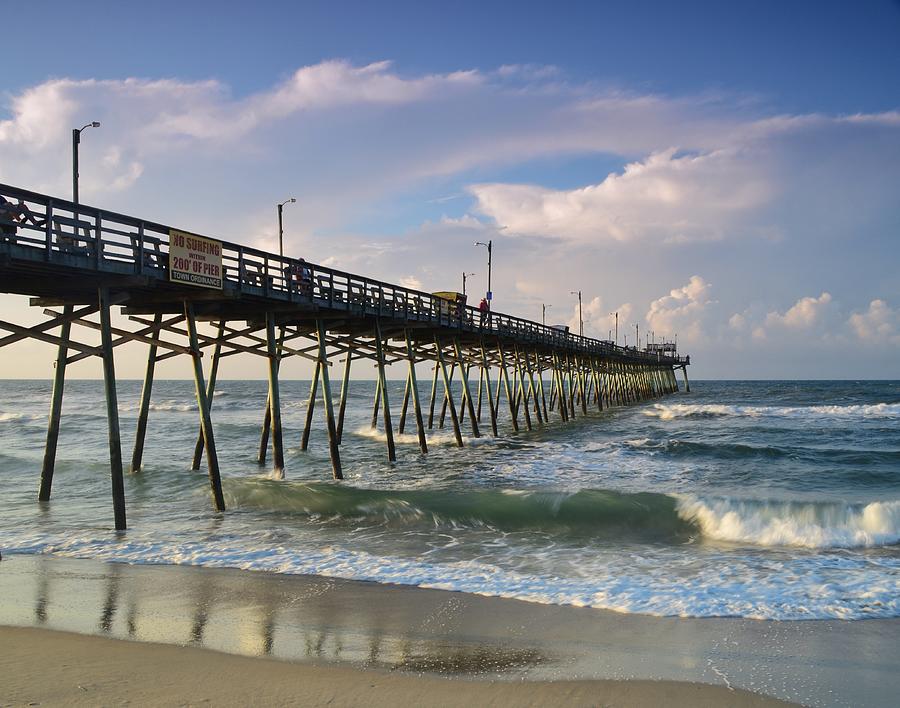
<point x="231" y="637"/>
<point x="54" y="668"/>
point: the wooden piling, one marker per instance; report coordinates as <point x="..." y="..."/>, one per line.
<point x="267" y="416"/>
<point x="59" y="382"/>
<point x="334" y="451"/>
<point x="453" y="416"/>
<point x="434" y="381"/>
<point x="532" y="391"/>
<point x="401" y="426"/>
<point x="447" y="394"/>
<point x="210" y="393"/>
<point x="480" y="389"/>
<point x="274" y="395"/>
<point x="508" y="389"/>
<point x="345" y="385"/>
<point x="485" y="367"/>
<point x="112" y="412"/>
<point x="376" y="403"/>
<point x="467" y="395"/>
<point x="382" y="380"/>
<point x="520" y="378"/>
<point x="414" y="386"/>
<point x="144" y="408"/>
<point x="212" y="457"/>
<point x="311" y="405"/>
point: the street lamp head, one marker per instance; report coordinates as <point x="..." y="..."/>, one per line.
<point x="293" y="200"/>
<point x="92" y="124"/>
<point x="95" y="124"/>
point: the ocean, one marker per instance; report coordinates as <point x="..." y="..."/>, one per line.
<point x="755" y="499"/>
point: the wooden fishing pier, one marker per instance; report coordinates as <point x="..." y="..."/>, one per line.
<point x="77" y="262"/>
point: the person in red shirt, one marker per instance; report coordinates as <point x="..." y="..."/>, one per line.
<point x="484" y="308"/>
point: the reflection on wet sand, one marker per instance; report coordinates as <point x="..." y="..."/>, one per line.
<point x="258" y="615"/>
<point x="398" y="628"/>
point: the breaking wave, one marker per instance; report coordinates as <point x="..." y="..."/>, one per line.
<point x="713" y="410"/>
<point x="592" y="512"/>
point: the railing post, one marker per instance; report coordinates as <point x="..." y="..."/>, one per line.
<point x="139" y="256"/>
<point x="48" y="230"/>
<point x="98" y="242"/>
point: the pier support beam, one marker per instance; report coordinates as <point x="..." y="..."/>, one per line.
<point x="414" y="386"/>
<point x="59" y="382"/>
<point x="267" y="417"/>
<point x="212" y="457"/>
<point x="485" y="367"/>
<point x="540" y="375"/>
<point x="112" y="412"/>
<point x="523" y="392"/>
<point x="467" y="394"/>
<point x="385" y="404"/>
<point x="137" y="455"/>
<point x="447" y="394"/>
<point x="311" y="405"/>
<point x="336" y="468"/>
<point x="434" y="381"/>
<point x="210" y="394"/>
<point x="457" y="433"/>
<point x="345" y="387"/>
<point x="507" y="388"/>
<point x="274" y="396"/>
<point x="401" y="426"/>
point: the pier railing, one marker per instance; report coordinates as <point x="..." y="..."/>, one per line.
<point x="39" y="227"/>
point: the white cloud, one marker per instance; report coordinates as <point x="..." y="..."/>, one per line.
<point x="411" y="282"/>
<point x="737" y="322"/>
<point x="600" y="320"/>
<point x="342" y="134"/>
<point x="665" y="197"/>
<point x="680" y="312"/>
<point x="879" y="324"/>
<point x="805" y="313"/>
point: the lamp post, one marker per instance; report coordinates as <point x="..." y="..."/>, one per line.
<point x="637" y="336"/>
<point x="580" y="319"/>
<point x="544" y="314"/>
<point x="490" y="247"/>
<point x="466" y="277"/>
<point x="281" y="225"/>
<point x="76" y="141"/>
<point x="617" y="326"/>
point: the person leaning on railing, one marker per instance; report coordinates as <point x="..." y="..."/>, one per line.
<point x="298" y="277"/>
<point x="13" y="214"/>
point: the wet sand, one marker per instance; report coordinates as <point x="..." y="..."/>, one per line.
<point x="53" y="668"/>
<point x="211" y="634"/>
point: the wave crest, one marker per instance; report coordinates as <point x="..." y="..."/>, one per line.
<point x="589" y="512"/>
<point x="665" y="411"/>
<point x="804" y="524"/>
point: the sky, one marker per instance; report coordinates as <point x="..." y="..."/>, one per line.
<point x="725" y="172"/>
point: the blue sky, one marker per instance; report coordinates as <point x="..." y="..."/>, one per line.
<point x="727" y="171"/>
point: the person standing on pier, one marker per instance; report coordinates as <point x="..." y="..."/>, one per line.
<point x="483" y="308"/>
